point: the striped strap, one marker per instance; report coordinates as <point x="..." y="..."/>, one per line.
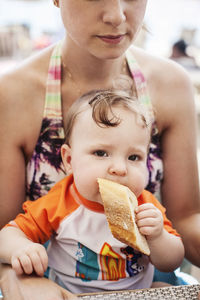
<point x="53" y="103"/>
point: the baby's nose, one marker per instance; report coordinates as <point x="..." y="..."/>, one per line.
<point x="118" y="168"/>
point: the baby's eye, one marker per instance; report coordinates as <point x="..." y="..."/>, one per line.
<point x="134" y="157"/>
<point x="100" y="153"/>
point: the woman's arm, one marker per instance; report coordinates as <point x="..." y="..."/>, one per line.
<point x="21" y="108"/>
<point x="29" y="287"/>
<point x="180" y="188"/>
<point x="172" y="96"/>
<point x="12" y="162"/>
<point x="14" y="114"/>
<point x="22" y="94"/>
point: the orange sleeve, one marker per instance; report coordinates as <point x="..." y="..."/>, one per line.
<point x="42" y="217"/>
<point x="147" y="197"/>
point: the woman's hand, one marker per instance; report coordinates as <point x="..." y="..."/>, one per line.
<point x="149" y="220"/>
<point x="30" y="287"/>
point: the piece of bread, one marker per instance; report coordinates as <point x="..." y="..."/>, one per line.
<point x="119" y="205"/>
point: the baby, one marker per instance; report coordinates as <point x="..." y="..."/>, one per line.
<point x="107" y="136"/>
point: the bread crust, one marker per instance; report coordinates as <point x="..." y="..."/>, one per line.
<point x="119" y="205"/>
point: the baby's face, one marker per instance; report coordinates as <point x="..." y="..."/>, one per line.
<point x="115" y="153"/>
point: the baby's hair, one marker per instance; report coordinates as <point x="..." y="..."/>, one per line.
<point x="102" y="102"/>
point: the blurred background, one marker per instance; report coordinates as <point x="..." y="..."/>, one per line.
<point x="30" y="25"/>
<point x="26" y="26"/>
<point x="172" y="30"/>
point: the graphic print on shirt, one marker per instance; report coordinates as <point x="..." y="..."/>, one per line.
<point x="133" y="267"/>
<point x="87" y="267"/>
<point x="112" y="264"/>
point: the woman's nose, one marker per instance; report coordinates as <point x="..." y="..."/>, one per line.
<point x="114" y="12"/>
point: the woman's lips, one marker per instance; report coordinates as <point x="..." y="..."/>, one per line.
<point x="112" y="39"/>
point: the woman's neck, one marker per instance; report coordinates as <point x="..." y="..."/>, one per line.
<point x="87" y="69"/>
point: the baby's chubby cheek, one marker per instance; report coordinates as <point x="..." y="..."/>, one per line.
<point x="89" y="190"/>
<point x="139" y="186"/>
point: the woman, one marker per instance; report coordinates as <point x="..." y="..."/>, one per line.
<point x="93" y="56"/>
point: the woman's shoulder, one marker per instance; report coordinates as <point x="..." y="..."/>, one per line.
<point x="26" y="77"/>
<point x="165" y="78"/>
<point x="159" y="69"/>
<point x="169" y="86"/>
<point x="22" y="96"/>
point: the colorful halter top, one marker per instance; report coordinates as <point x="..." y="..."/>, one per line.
<point x="45" y="167"/>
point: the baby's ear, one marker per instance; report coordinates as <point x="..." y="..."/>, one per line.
<point x="66" y="158"/>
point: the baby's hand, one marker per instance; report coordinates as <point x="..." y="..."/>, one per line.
<point x="149" y="220"/>
<point x="32" y="257"/>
